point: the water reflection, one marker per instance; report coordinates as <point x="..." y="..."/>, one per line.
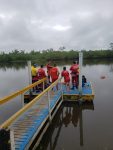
<point x="111" y="68"/>
<point x="22" y="65"/>
<point x="14" y="65"/>
<point x="98" y="61"/>
<point x="68" y="114"/>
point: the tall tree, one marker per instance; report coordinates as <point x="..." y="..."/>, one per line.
<point x="111" y="46"/>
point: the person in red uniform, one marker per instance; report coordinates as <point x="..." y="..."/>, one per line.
<point x="41" y="74"/>
<point x="54" y="73"/>
<point x="66" y="76"/>
<point x="74" y="74"/>
<point x="48" y="70"/>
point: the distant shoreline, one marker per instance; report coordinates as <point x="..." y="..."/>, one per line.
<point x="20" y="56"/>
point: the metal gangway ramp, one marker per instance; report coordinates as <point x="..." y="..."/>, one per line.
<point x="34" y="118"/>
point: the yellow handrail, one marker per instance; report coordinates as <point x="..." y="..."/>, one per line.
<point x="26" y="107"/>
<point x="7" y="98"/>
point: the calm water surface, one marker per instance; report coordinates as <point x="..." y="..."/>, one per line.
<point x="85" y="127"/>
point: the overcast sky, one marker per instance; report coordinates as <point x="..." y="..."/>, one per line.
<point x="43" y="24"/>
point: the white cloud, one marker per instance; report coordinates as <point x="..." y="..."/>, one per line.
<point x="61" y="27"/>
<point x="42" y="24"/>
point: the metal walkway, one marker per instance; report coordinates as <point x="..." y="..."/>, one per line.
<point x="33" y="119"/>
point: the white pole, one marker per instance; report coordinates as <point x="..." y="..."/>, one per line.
<point x="80" y="72"/>
<point x="29" y="72"/>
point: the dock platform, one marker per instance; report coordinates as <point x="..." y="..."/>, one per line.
<point x="74" y="95"/>
<point x="71" y="95"/>
<point x="32" y="121"/>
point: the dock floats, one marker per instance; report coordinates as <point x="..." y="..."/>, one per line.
<point x="71" y="95"/>
<point x="32" y="121"/>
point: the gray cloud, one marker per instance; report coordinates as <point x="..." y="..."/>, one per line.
<point x="43" y="24"/>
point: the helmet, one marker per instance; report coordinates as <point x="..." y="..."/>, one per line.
<point x="35" y="65"/>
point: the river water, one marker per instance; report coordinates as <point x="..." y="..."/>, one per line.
<point x="80" y="127"/>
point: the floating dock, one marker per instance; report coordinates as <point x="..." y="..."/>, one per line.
<point x="71" y="95"/>
<point x="34" y="118"/>
<point x="74" y="95"/>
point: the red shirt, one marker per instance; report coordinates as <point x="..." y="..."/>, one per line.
<point x="41" y="73"/>
<point x="54" y="73"/>
<point x="65" y="74"/>
<point x="48" y="68"/>
<point x="74" y="69"/>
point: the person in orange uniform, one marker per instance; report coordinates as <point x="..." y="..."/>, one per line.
<point x="54" y="73"/>
<point x="48" y="70"/>
<point x="74" y="74"/>
<point x="66" y="76"/>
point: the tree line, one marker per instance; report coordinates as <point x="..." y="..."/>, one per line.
<point x="45" y="55"/>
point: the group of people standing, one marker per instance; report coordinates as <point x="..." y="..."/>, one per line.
<point x="40" y="73"/>
<point x="53" y="74"/>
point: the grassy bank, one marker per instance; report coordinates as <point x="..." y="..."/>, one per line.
<point x="53" y="55"/>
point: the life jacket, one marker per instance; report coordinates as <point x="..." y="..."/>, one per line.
<point x="74" y="68"/>
<point x="54" y="73"/>
<point x="65" y="74"/>
<point x="41" y="73"/>
<point x="48" y="68"/>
